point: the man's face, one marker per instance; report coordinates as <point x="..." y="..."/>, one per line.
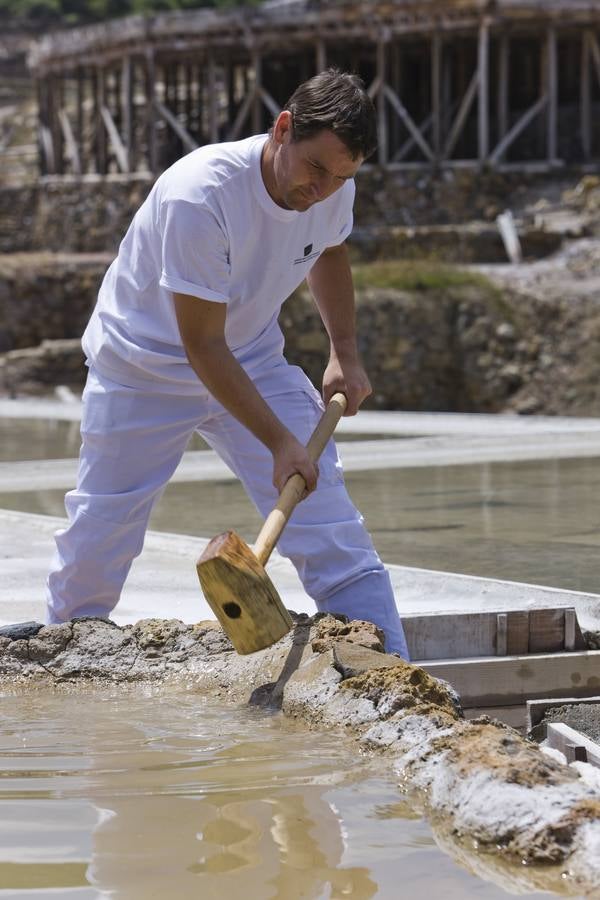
<point x="308" y="171"/>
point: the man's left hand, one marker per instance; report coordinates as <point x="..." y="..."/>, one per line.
<point x="350" y="378"/>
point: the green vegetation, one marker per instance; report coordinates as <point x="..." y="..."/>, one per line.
<point x="417" y="276"/>
<point x="75" y="12"/>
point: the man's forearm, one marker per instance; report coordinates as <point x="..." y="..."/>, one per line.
<point x="228" y="383"/>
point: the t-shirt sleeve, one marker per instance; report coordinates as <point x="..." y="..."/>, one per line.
<point x="345" y="219"/>
<point x="195" y="251"/>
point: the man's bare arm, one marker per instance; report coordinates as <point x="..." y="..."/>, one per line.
<point x="330" y="282"/>
<point x="202" y="328"/>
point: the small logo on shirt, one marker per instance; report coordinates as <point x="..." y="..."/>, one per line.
<point x="308" y="255"/>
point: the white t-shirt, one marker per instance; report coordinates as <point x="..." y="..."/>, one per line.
<point x="208" y="228"/>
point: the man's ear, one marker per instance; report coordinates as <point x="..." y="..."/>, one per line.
<point x="282" y="129"/>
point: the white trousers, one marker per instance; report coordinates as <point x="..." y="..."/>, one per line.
<point x="132" y="442"/>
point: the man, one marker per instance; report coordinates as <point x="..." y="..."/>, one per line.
<point x="185" y="337"/>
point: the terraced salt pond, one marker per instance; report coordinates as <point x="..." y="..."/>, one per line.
<point x="136" y="794"/>
<point x="536" y="521"/>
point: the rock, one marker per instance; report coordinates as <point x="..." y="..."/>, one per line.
<point x="330" y="630"/>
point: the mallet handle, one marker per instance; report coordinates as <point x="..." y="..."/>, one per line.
<point x="295" y="486"/>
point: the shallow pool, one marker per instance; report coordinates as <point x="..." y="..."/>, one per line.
<point x="141" y="793"/>
<point x="536" y="522"/>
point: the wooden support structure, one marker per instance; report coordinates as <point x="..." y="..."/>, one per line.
<point x="483" y="91"/>
<point x="448" y="80"/>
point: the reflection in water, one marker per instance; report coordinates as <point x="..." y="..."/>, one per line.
<point x="141" y="793"/>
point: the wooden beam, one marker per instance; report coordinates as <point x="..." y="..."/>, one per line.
<point x="150" y="91"/>
<point x="410" y="142"/>
<point x="382" y="136"/>
<point x="461" y="116"/>
<point x="72" y="148"/>
<point x="100" y="129"/>
<point x="115" y="140"/>
<point x="47" y="150"/>
<point x="503" y="84"/>
<point x="242" y="115"/>
<point x="577" y="747"/>
<point x="213" y="100"/>
<point x="256" y="106"/>
<point x="268" y="101"/>
<point x="184" y="136"/>
<point x="595" y="48"/>
<point x="518" y="128"/>
<point x="321" y="55"/>
<point x="552" y="76"/>
<point x="482" y="634"/>
<point x="483" y="85"/>
<point x="126" y="101"/>
<point x="436" y="93"/>
<point x="403" y="114"/>
<point x="514" y="679"/>
<point x="586" y="97"/>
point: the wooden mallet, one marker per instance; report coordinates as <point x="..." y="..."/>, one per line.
<point x="233" y="577"/>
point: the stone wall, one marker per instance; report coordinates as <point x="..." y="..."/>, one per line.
<point x="456" y="347"/>
<point x="92" y="214"/>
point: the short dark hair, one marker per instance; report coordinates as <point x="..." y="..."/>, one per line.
<point x="335" y="101"/>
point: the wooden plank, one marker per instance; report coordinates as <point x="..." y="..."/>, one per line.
<point x="403" y="114"/>
<point x="100" y="130"/>
<point x="479" y="634"/>
<point x="461" y="117"/>
<point x="510" y="680"/>
<point x="256" y="106"/>
<point x="518" y="632"/>
<point x="382" y="142"/>
<point x="501" y="634"/>
<point x="537" y="709"/>
<point x="436" y="93"/>
<point x="483" y="95"/>
<point x="586" y="98"/>
<point x="518" y="128"/>
<point x="241" y="116"/>
<point x="115" y="140"/>
<point x="546" y="630"/>
<point x="72" y="149"/>
<point x="552" y="81"/>
<point x="595" y="49"/>
<point x="573" y="744"/>
<point x="213" y="111"/>
<point x="321" y="55"/>
<point x="268" y="101"/>
<point x="503" y="84"/>
<point x="150" y="90"/>
<point x="126" y="101"/>
<point x="186" y="139"/>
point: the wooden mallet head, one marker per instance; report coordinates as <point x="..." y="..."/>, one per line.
<point x="233" y="578"/>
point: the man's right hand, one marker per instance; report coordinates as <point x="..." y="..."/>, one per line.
<point x="291" y="457"/>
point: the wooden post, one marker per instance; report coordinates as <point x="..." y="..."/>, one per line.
<point x="321" y="55"/>
<point x="483" y="68"/>
<point x="552" y="82"/>
<point x="586" y="98"/>
<point x="126" y="101"/>
<point x="100" y="129"/>
<point x="54" y="107"/>
<point x="382" y="137"/>
<point x="256" y="105"/>
<point x="503" y="85"/>
<point x="150" y="91"/>
<point x="436" y="93"/>
<point x="213" y="123"/>
<point x="394" y="58"/>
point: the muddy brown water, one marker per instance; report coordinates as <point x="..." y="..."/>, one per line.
<point x="135" y="794"/>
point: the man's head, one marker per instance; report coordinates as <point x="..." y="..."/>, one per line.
<point x="319" y="140"/>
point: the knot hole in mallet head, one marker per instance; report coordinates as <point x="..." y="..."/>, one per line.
<point x="232" y="610"/>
